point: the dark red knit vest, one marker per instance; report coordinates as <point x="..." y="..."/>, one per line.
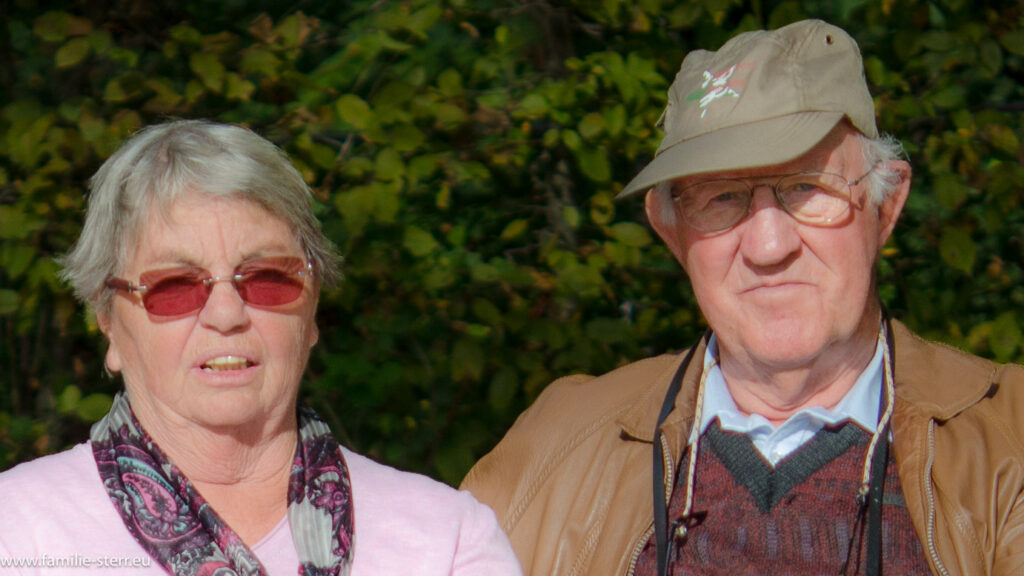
<point x="800" y="518"/>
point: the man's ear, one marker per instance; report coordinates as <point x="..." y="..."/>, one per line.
<point x="663" y="219"/>
<point x="890" y="208"/>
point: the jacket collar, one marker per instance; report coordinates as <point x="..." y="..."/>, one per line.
<point x="962" y="380"/>
<point x="639" y="420"/>
<point x="940" y="384"/>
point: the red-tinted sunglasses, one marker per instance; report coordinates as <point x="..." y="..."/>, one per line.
<point x="176" y="291"/>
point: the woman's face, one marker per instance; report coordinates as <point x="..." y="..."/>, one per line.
<point x="229" y="364"/>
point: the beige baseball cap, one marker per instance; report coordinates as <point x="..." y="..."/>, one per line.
<point x="763" y="98"/>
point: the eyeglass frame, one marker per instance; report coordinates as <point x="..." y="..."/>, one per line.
<point x="123" y="285"/>
<point x="752" y="188"/>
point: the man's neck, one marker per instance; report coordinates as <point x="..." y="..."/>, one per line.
<point x="778" y="392"/>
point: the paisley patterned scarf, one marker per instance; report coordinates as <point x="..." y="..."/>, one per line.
<point x="179" y="529"/>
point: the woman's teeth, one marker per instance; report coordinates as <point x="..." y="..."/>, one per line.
<point x="225" y="363"/>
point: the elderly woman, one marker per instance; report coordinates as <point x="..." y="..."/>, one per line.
<point x="202" y="261"/>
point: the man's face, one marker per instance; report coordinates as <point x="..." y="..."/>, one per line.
<point x="778" y="293"/>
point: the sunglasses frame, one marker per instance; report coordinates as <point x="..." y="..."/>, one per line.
<point x="205" y="281"/>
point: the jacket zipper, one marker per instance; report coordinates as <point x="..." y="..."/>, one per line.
<point x="931" y="500"/>
<point x="670" y="468"/>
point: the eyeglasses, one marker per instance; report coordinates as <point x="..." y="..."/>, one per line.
<point x="815" y="198"/>
<point x="175" y="291"/>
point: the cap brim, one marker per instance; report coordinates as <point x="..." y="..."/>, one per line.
<point x="751" y="145"/>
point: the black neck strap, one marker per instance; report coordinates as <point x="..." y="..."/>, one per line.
<point x="660" y="502"/>
<point x="875" y="490"/>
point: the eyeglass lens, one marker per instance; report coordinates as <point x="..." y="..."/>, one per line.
<point x="813" y="198"/>
<point x="263" y="282"/>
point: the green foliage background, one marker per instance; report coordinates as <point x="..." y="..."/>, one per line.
<point x="464" y="156"/>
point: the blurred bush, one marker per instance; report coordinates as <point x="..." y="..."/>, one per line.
<point x="464" y="156"/>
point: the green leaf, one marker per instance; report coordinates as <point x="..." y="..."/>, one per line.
<point x="452" y="460"/>
<point x="165" y="98"/>
<point x="501" y="34"/>
<point x="594" y="164"/>
<point x="238" y="88"/>
<point x="615" y="120"/>
<point x="93" y="407"/>
<point x="72" y="52"/>
<point x="631" y="234"/>
<point x="503" y="390"/>
<point x="951" y="97"/>
<point x="54" y="26"/>
<point x="467" y="360"/>
<point x="186" y="34"/>
<point x="9" y="302"/>
<point x="1005" y="337"/>
<point x="958" y="250"/>
<point x="419" y="242"/>
<point x="949" y="191"/>
<point x="449" y="114"/>
<point x="69" y="399"/>
<point x="16" y="259"/>
<point x="1013" y="41"/>
<point x="258" y="60"/>
<point x="421" y="21"/>
<point x="407" y="138"/>
<point x="389" y="165"/>
<point x="354" y="111"/>
<point x="602" y="209"/>
<point x="115" y="91"/>
<point x="515" y="229"/>
<point x="450" y="83"/>
<point x="16" y="225"/>
<point x="208" y="68"/>
<point x="1004" y="138"/>
<point x="532" y="106"/>
<point x="486" y="311"/>
<point x="939" y="41"/>
<point x="571" y="216"/>
<point x="591" y="125"/>
<point x="572" y="140"/>
<point x="606" y="330"/>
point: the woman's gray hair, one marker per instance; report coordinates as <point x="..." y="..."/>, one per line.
<point x="881" y="182"/>
<point x="160" y="164"/>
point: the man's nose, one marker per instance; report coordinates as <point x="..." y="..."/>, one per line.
<point x="770" y="234"/>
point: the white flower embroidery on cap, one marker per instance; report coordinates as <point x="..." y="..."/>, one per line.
<point x="716" y="86"/>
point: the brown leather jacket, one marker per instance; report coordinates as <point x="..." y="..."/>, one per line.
<point x="572" y="480"/>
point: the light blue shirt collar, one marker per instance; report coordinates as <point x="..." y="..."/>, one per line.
<point x="859" y="405"/>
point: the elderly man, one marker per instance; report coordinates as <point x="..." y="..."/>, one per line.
<point x="807" y="432"/>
